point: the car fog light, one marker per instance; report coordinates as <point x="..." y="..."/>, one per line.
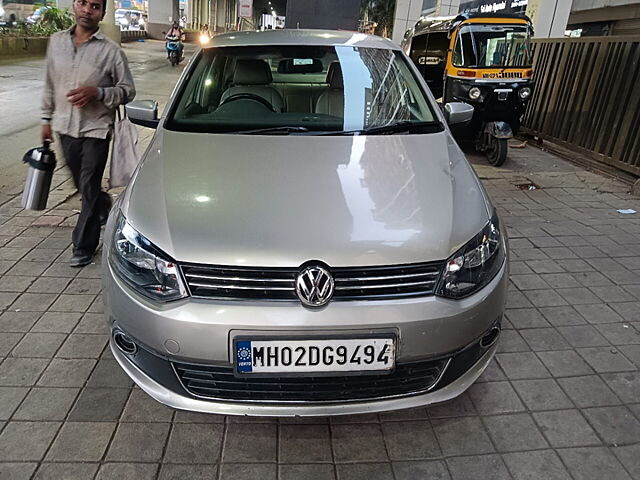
<point x="474" y="93"/>
<point x="124" y="342"/>
<point x="524" y="93"/>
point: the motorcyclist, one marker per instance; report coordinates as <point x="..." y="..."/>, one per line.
<point x="204" y="35"/>
<point x="176" y="33"/>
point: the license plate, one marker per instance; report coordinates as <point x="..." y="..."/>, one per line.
<point x="429" y="60"/>
<point x="300" y="356"/>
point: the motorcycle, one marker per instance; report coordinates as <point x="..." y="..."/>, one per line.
<point x="173" y="45"/>
<point x="205" y="38"/>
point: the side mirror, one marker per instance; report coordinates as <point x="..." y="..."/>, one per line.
<point x="458" y="113"/>
<point x="143" y="112"/>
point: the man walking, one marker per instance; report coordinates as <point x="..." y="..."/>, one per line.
<point x="87" y="77"/>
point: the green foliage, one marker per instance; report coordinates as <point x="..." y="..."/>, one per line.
<point x="52" y="20"/>
<point x="19" y="31"/>
<point x="58" y="18"/>
<point x="380" y="12"/>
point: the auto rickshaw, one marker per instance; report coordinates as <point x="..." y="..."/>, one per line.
<point x="483" y="59"/>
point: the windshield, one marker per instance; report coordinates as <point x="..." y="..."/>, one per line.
<point x="497" y="46"/>
<point x="299" y="89"/>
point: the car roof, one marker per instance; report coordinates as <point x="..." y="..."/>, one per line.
<point x="301" y="37"/>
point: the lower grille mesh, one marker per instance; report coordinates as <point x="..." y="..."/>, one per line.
<point x="218" y="382"/>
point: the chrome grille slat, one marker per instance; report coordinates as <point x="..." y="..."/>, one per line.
<point x="278" y="284"/>
<point x="237" y="287"/>
<point x="385" y="285"/>
<point x="386" y="277"/>
<point x="237" y="279"/>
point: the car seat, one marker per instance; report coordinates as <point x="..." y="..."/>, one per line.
<point x="331" y="102"/>
<point x="254" y="76"/>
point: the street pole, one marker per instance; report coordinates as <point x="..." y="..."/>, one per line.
<point x="175" y="8"/>
<point x="549" y="17"/>
<point x="214" y="9"/>
<point x="108" y="25"/>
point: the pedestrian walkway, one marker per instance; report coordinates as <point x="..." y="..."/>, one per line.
<point x="560" y="401"/>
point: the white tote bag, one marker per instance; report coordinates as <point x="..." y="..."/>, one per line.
<point x="124" y="156"/>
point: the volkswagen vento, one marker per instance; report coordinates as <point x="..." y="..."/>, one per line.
<point x="303" y="236"/>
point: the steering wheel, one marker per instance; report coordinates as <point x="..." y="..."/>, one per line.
<point x="248" y="96"/>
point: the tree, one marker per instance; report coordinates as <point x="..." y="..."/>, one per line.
<point x="55" y="19"/>
<point x="380" y="12"/>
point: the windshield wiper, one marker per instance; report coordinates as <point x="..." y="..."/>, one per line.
<point x="285" y="130"/>
<point x="398" y="127"/>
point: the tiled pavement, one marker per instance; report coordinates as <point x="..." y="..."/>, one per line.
<point x="560" y="401"/>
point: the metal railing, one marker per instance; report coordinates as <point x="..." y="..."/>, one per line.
<point x="587" y="97"/>
<point x="132" y="35"/>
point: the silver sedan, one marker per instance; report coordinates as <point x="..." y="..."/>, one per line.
<point x="303" y="235"/>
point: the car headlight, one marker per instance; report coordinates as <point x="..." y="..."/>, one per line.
<point x="475" y="264"/>
<point x="474" y="93"/>
<point x="143" y="266"/>
<point x="524" y="93"/>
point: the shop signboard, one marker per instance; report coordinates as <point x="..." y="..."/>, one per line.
<point x="494" y="6"/>
<point x="131" y="4"/>
<point x="245" y="8"/>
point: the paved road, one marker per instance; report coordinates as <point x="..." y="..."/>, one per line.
<point x="20" y="94"/>
<point x="561" y="401"/>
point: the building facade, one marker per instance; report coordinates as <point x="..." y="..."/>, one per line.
<point x="18" y="9"/>
<point x="555" y="18"/>
<point x="604" y="17"/>
<point x="325" y="14"/>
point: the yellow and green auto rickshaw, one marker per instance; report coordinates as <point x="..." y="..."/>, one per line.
<point x="483" y="59"/>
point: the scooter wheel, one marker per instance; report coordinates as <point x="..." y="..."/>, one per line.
<point x="497" y="151"/>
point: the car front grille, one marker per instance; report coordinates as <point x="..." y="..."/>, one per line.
<point x="219" y="382"/>
<point x="360" y="283"/>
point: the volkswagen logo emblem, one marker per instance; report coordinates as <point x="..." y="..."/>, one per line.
<point x="314" y="286"/>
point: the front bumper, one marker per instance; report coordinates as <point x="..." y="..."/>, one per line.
<point x="172" y="393"/>
<point x="201" y="332"/>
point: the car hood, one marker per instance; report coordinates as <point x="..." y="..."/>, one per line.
<point x="284" y="200"/>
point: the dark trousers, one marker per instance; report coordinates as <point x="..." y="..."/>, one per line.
<point x="87" y="158"/>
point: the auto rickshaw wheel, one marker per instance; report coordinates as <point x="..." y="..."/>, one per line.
<point x="497" y="151"/>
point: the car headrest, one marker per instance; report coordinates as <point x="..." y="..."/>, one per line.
<point x="334" y="76"/>
<point x="252" y="72"/>
<point x="295" y="65"/>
